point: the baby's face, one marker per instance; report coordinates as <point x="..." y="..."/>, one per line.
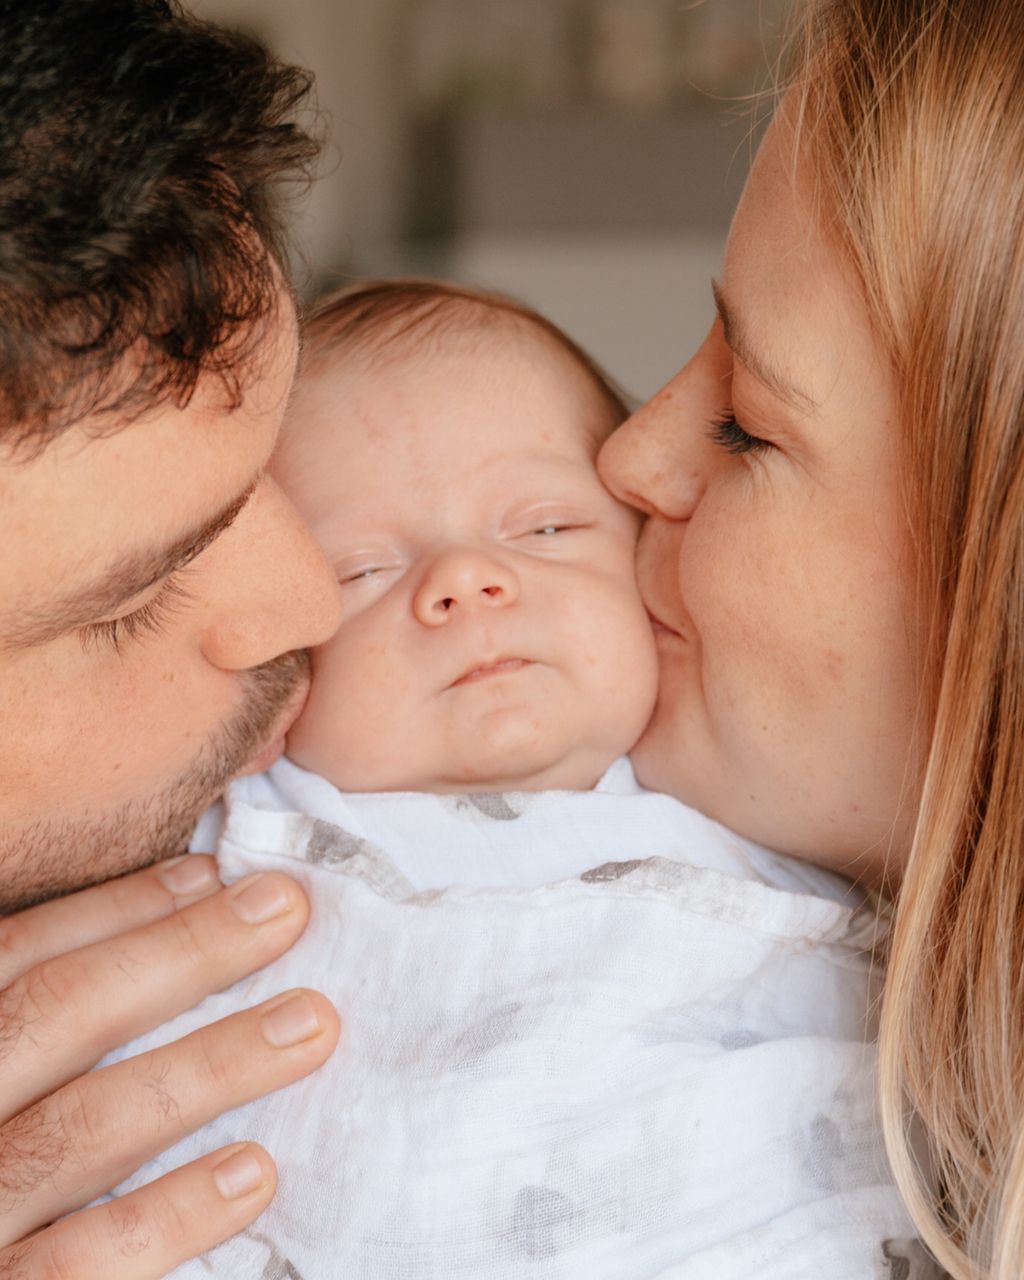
<point x="492" y="636"/>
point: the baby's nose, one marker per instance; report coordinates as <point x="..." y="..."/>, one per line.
<point x="463" y="581"/>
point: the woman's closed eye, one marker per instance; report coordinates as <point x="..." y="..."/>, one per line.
<point x="148" y="619"/>
<point x="727" y="433"/>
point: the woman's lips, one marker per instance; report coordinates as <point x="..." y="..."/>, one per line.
<point x="500" y="667"/>
<point x="659" y="627"/>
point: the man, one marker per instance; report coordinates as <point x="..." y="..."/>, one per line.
<point x="156" y="594"/>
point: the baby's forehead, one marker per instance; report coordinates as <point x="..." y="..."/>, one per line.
<point x="466" y="420"/>
<point x="468" y="330"/>
<point x="473" y="344"/>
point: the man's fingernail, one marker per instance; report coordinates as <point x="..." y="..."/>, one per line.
<point x="290" y="1023"/>
<point x="260" y="899"/>
<point x="238" y="1175"/>
<point x="188" y="875"/>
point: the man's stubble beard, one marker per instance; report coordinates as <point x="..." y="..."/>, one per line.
<point x="53" y="857"/>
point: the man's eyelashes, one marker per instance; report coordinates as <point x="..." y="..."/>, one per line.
<point x="149" y="619"/>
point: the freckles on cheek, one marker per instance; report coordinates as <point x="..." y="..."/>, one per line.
<point x="581" y="640"/>
<point x="761" y="650"/>
<point x="358" y="679"/>
<point x="834" y="666"/>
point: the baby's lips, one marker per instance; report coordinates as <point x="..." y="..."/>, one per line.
<point x="489" y="668"/>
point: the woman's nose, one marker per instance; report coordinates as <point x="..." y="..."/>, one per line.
<point x="463" y="582"/>
<point x="660" y="459"/>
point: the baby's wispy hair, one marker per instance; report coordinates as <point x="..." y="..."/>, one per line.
<point x="404" y="315"/>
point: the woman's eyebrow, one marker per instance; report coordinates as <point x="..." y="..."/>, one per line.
<point x="126" y="579"/>
<point x="762" y="369"/>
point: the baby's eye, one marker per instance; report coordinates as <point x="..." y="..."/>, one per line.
<point x="548" y="522"/>
<point x="553" y="527"/>
<point x="359" y="575"/>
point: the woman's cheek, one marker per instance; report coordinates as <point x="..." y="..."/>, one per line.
<point x="752" y="613"/>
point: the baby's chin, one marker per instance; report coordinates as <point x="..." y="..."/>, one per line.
<point x="579" y="769"/>
<point x="578" y="772"/>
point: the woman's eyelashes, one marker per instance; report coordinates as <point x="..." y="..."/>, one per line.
<point x="149" y="619"/>
<point x="730" y="436"/>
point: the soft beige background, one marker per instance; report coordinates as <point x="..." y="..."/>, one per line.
<point x="605" y="206"/>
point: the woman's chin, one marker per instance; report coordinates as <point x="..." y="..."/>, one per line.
<point x="676" y="753"/>
<point x="676" y="734"/>
<point x="656" y="758"/>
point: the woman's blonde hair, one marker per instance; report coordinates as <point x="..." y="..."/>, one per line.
<point x="912" y="119"/>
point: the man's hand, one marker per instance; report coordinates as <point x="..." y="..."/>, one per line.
<point x="85" y="974"/>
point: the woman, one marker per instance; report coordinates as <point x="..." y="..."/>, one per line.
<point x="835" y="556"/>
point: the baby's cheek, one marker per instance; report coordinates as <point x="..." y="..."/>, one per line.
<point x="315" y="737"/>
<point x="355" y="725"/>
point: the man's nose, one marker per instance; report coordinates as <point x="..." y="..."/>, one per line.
<point x="463" y="582"/>
<point x="269" y="586"/>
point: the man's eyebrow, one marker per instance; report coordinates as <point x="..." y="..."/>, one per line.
<point x="127" y="578"/>
<point x="762" y="369"/>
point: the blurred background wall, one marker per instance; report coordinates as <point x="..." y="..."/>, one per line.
<point x="584" y="155"/>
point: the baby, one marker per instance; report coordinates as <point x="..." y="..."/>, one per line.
<point x="588" y="1032"/>
<point x="442" y="451"/>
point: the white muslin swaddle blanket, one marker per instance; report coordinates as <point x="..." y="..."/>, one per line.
<point x="587" y="1035"/>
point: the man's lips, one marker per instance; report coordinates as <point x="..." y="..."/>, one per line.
<point x="485" y="670"/>
<point x="274" y="749"/>
<point x="268" y="756"/>
<point x="295" y="708"/>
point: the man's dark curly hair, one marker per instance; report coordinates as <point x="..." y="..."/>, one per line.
<point x="142" y="154"/>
